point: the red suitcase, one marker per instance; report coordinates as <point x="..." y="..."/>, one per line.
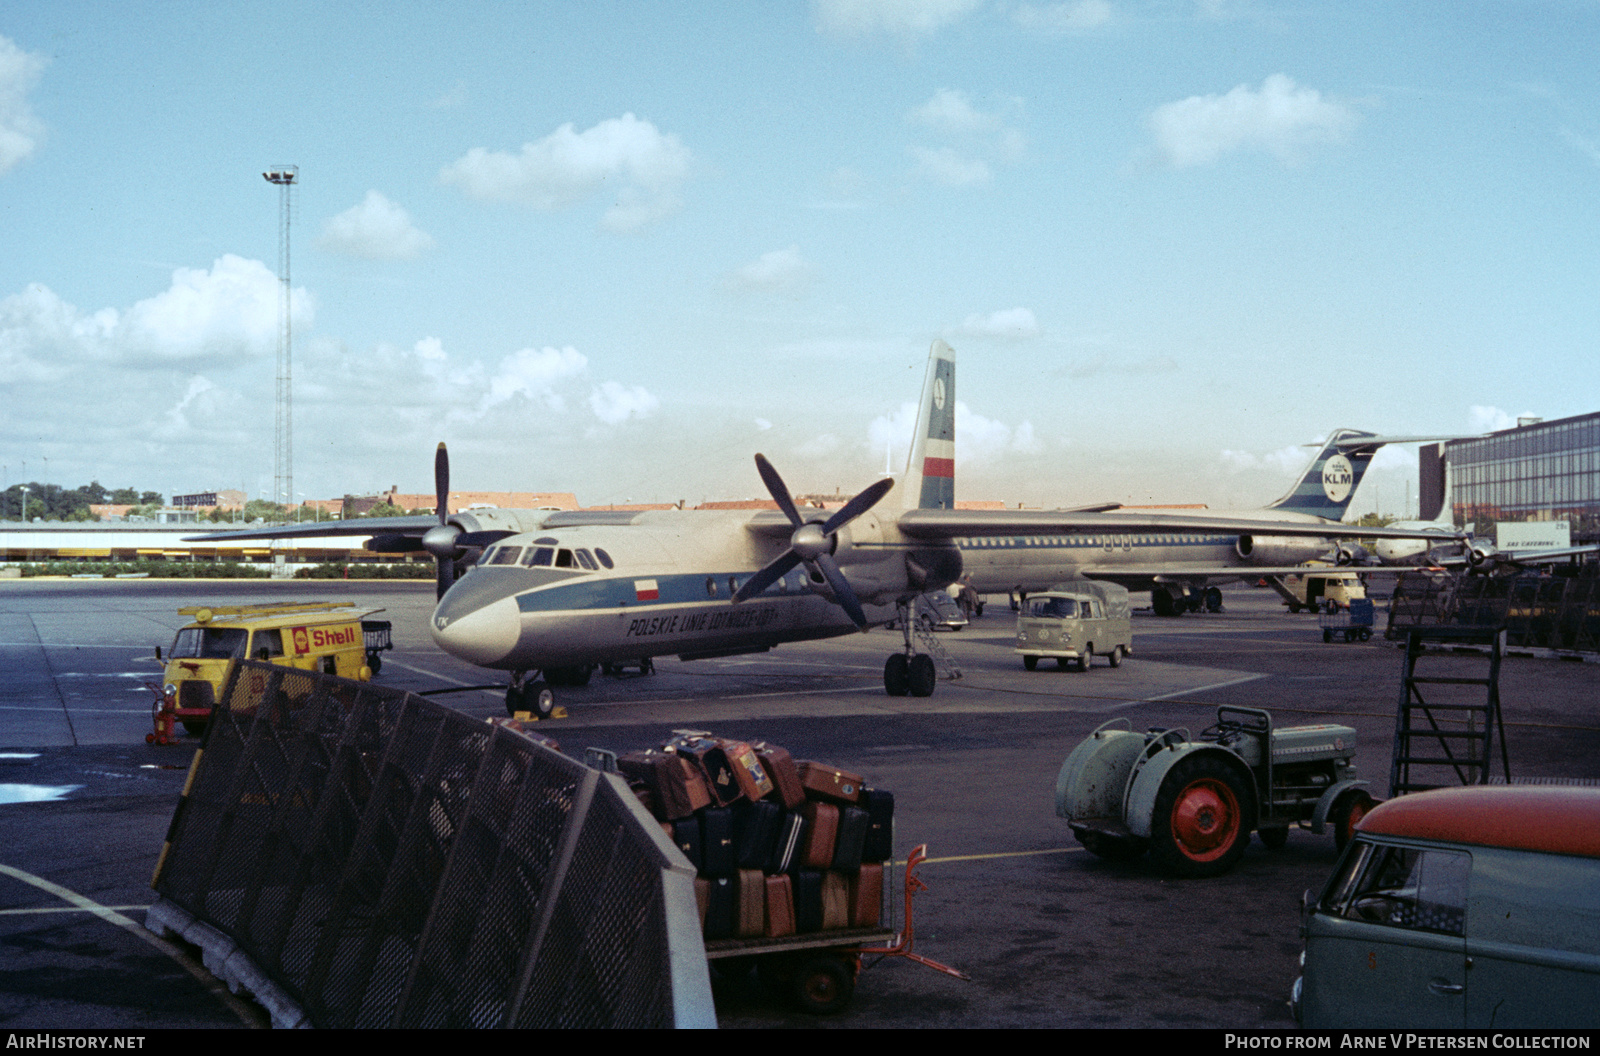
<point x="780" y="906"/>
<point x="821" y="835"/>
<point x="866" y="896"/>
<point x="822" y="781"/>
<point x="786" y="786"/>
<point x="677" y="784"/>
<point x="751" y="776"/>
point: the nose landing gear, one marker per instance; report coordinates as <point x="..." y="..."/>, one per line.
<point x="910" y="673"/>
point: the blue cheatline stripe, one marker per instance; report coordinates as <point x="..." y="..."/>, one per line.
<point x="675" y="589"/>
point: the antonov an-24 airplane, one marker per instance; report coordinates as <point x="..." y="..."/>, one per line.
<point x="552" y="594"/>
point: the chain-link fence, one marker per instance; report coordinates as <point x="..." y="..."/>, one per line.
<point x="1537" y="611"/>
<point x="388" y="862"/>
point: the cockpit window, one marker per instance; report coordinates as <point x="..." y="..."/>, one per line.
<point x="585" y="560"/>
<point x="505" y="555"/>
<point x="605" y="558"/>
<point x="540" y="556"/>
<point x="563" y="558"/>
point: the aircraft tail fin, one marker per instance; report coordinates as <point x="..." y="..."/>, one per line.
<point x="1330" y="482"/>
<point x="930" y="480"/>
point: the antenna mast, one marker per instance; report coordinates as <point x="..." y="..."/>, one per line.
<point x="285" y="177"/>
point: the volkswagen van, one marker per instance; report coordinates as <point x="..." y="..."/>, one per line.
<point x="330" y="637"/>
<point x="1073" y="622"/>
<point x="1475" y="907"/>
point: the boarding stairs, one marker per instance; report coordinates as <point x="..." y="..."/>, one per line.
<point x="1457" y="732"/>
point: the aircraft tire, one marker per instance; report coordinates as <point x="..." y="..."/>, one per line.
<point x="897" y="675"/>
<point x="923" y="675"/>
<point x="1213" y="599"/>
<point x="539" y="698"/>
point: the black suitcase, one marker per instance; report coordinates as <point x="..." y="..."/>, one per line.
<point x="853" y="823"/>
<point x="686" y="834"/>
<point x="785" y="856"/>
<point x="722" y="907"/>
<point x="755" y="832"/>
<point x="807" y="900"/>
<point x="718" y="857"/>
<point x="879" y="845"/>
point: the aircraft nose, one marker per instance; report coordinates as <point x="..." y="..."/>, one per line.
<point x="482" y="634"/>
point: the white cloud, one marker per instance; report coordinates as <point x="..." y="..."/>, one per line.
<point x="973" y="138"/>
<point x="1283" y="460"/>
<point x="645" y="166"/>
<point x="979" y="441"/>
<point x="19" y="129"/>
<point x="376" y="229"/>
<point x="614" y="403"/>
<point x="1281" y="118"/>
<point x="1493" y="419"/>
<point x="951" y="168"/>
<point x="1015" y="324"/>
<point x="533" y="374"/>
<point x="902" y="18"/>
<point x="1064" y="18"/>
<point x="775" y="272"/>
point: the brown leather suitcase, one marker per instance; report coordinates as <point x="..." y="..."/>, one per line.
<point x="826" y="782"/>
<point x="752" y="904"/>
<point x="678" y="785"/>
<point x="835" y="901"/>
<point x="866" y="896"/>
<point x="709" y="756"/>
<point x="821" y="835"/>
<point x="779" y="764"/>
<point x="748" y="772"/>
<point x="780" y="906"/>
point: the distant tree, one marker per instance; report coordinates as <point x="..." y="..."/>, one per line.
<point x="148" y="497"/>
<point x="385" y="509"/>
<point x="125" y="497"/>
<point x="1376" y="520"/>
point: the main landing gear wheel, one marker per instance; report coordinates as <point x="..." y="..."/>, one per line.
<point x="1202" y="818"/>
<point x="1347" y="811"/>
<point x="897" y="675"/>
<point x="535" y="697"/>
<point x="924" y="676"/>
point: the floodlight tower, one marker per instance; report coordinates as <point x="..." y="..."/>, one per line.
<point x="285" y="177"/>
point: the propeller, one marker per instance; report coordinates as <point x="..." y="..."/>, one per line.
<point x="442" y="542"/>
<point x="813" y="543"/>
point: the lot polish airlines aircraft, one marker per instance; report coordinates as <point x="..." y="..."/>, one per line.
<point x="552" y="594"/>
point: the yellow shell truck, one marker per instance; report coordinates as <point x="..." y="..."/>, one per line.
<point x="329" y="637"/>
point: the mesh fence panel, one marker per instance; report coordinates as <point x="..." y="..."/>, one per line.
<point x="391" y="863"/>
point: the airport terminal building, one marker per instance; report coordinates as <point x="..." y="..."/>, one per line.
<point x="1537" y="471"/>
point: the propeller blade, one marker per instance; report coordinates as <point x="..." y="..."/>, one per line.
<point x="777" y="489"/>
<point x="841" y="590"/>
<point x="857" y="506"/>
<point x="774" y="571"/>
<point x="445" y="562"/>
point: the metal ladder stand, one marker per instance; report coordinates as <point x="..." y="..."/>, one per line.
<point x="910" y="625"/>
<point x="1471" y="726"/>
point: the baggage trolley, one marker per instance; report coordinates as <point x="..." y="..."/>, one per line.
<point x="818" y="969"/>
<point x="1354" y="623"/>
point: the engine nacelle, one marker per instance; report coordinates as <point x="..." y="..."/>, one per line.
<point x="1479" y="551"/>
<point x="1279" y="549"/>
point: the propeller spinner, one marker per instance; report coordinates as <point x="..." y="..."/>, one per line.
<point x="812" y="543"/>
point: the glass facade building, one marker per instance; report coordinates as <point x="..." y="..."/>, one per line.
<point x="1536" y="472"/>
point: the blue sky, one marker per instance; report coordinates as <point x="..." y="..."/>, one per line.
<point x="617" y="248"/>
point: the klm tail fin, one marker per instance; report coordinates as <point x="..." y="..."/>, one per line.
<point x="930" y="480"/>
<point x="1331" y="481"/>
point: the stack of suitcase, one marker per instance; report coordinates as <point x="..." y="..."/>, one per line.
<point x="780" y="847"/>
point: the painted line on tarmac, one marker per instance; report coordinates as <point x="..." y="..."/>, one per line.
<point x="248" y="1014"/>
<point x="68" y="909"/>
<point x="997" y="854"/>
<point x="1183" y="692"/>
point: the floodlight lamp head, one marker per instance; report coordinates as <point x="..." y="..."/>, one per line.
<point x="286" y="174"/>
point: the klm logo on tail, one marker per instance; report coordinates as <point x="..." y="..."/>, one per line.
<point x="933" y="448"/>
<point x="1331" y="481"/>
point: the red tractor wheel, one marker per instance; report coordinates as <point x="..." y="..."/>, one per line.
<point x="1347" y="810"/>
<point x="1203" y="817"/>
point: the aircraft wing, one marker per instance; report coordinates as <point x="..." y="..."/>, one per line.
<point x="950" y="524"/>
<point x="370" y="526"/>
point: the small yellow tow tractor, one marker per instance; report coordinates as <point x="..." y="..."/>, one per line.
<point x="329" y="637"/>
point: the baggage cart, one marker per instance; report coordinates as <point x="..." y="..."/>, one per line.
<point x="1354" y="624"/>
<point x="818" y="969"/>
